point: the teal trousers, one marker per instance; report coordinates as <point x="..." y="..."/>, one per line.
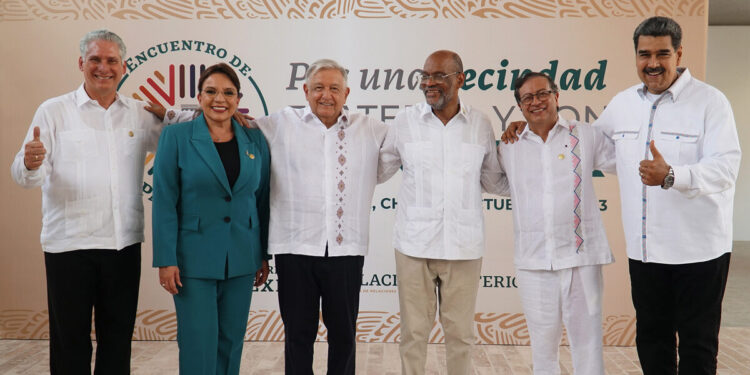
<point x="211" y="324"/>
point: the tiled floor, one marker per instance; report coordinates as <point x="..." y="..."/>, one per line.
<point x="267" y="358"/>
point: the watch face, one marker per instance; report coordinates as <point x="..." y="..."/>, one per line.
<point x="668" y="179"/>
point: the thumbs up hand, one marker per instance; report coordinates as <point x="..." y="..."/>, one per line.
<point x="654" y="171"/>
<point x="34" y="151"/>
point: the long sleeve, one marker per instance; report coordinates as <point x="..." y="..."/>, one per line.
<point x="390" y="160"/>
<point x="262" y="196"/>
<point x="604" y="151"/>
<point x="27" y="178"/>
<point x="165" y="199"/>
<point x="717" y="169"/>
<point x="493" y="178"/>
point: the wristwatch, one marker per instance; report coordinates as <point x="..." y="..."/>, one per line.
<point x="668" y="179"/>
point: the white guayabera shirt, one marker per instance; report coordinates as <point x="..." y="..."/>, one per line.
<point x="556" y="216"/>
<point x="445" y="168"/>
<point x="92" y="174"/>
<point x="322" y="181"/>
<point x="694" y="130"/>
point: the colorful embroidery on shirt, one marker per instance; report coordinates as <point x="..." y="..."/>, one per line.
<point x="575" y="152"/>
<point x="341" y="176"/>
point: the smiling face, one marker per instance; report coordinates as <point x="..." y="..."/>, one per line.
<point x="102" y="69"/>
<point x="326" y="93"/>
<point x="539" y="113"/>
<point x="439" y="94"/>
<point x="657" y="61"/>
<point x="218" y="99"/>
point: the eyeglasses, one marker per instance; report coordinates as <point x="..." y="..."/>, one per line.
<point x="210" y="92"/>
<point x="541" y="95"/>
<point x="437" y="77"/>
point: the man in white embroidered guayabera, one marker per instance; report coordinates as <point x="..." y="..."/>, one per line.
<point x="324" y="167"/>
<point x="560" y="243"/>
<point x="678" y="263"/>
<point x="678" y="156"/>
<point x="447" y="150"/>
<point x="86" y="149"/>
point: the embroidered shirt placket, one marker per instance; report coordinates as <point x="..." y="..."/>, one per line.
<point x="644" y="191"/>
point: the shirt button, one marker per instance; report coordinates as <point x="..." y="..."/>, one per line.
<point x="228" y="198"/>
<point x="227" y="219"/>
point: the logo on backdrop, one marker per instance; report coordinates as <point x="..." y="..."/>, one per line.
<point x="167" y="73"/>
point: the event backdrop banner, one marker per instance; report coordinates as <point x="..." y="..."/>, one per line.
<point x="586" y="46"/>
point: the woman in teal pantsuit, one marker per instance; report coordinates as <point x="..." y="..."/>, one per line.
<point x="210" y="224"/>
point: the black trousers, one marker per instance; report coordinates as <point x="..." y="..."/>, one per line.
<point x="305" y="281"/>
<point x="77" y="281"/>
<point x="681" y="300"/>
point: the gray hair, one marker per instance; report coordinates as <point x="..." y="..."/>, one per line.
<point x="102" y="34"/>
<point x="324" y="64"/>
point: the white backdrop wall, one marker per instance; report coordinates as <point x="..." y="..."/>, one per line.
<point x="728" y="68"/>
<point x="587" y="45"/>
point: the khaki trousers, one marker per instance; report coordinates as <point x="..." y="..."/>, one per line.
<point x="427" y="286"/>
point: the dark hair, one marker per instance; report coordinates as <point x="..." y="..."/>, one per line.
<point x="525" y="77"/>
<point x="659" y="26"/>
<point x="220" y="68"/>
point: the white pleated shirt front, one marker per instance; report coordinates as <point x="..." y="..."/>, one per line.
<point x="445" y="168"/>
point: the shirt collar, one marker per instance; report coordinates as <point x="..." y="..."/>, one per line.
<point x="463" y="110"/>
<point x="82" y="97"/>
<point x="343" y="120"/>
<point x="561" y="125"/>
<point x="677" y="87"/>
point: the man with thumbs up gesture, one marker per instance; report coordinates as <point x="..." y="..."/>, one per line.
<point x="33" y="152"/>
<point x="677" y="157"/>
<point x="87" y="151"/>
<point x="656" y="172"/>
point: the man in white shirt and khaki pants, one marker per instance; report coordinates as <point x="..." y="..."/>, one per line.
<point x="87" y="149"/>
<point x="447" y="150"/>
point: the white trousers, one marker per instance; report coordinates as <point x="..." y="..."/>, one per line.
<point x="572" y="296"/>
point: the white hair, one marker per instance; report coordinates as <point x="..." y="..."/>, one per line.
<point x="324" y="64"/>
<point x="102" y="34"/>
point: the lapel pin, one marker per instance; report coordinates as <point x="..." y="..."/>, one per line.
<point x="130" y="133"/>
<point x="251" y="156"/>
<point x="561" y="156"/>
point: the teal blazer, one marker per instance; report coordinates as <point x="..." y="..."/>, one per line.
<point x="200" y="224"/>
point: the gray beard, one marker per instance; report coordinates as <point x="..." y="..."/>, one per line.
<point x="440" y="104"/>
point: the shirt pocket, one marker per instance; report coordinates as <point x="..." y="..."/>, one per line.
<point x="627" y="144"/>
<point x="77" y="145"/>
<point x="679" y="146"/>
<point x="422" y="223"/>
<point x="83" y="217"/>
<point x="471" y="228"/>
<point x="131" y="141"/>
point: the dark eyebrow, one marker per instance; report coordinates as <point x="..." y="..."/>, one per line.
<point x="642" y="51"/>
